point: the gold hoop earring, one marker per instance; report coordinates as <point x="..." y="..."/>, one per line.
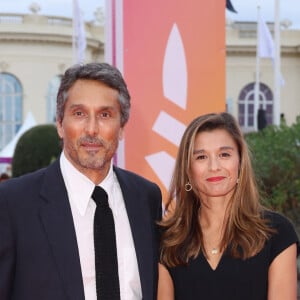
<point x="188" y="187"/>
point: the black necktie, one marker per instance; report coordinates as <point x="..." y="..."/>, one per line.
<point x="106" y="262"/>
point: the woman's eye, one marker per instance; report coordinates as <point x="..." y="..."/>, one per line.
<point x="225" y="154"/>
<point x="201" y="157"/>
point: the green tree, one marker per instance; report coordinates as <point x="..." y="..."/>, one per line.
<point x="36" y="148"/>
<point x="276" y="160"/>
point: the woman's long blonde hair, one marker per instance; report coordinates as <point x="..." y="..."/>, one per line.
<point x="246" y="231"/>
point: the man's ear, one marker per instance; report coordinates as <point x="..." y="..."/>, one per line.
<point x="60" y="129"/>
<point x="121" y="133"/>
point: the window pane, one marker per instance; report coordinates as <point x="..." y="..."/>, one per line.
<point x="51" y="98"/>
<point x="10" y="107"/>
<point x="246" y="96"/>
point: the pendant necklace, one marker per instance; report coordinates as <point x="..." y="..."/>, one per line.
<point x="214" y="251"/>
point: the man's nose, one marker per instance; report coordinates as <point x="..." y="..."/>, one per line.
<point x="92" y="125"/>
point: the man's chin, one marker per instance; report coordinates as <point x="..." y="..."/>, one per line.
<point x="93" y="164"/>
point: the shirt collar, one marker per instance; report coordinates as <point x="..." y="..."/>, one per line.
<point x="80" y="187"/>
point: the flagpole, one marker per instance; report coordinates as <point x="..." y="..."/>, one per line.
<point x="257" y="74"/>
<point x="277" y="74"/>
<point x="79" y="38"/>
<point x="74" y="50"/>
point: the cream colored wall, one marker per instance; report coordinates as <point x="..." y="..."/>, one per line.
<point x="290" y="92"/>
<point x="35" y="51"/>
<point x="34" y="69"/>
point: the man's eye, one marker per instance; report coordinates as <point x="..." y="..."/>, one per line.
<point x="105" y="114"/>
<point x="78" y="113"/>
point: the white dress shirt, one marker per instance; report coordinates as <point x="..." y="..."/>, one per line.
<point x="80" y="189"/>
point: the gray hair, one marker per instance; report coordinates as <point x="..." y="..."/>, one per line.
<point x="101" y="72"/>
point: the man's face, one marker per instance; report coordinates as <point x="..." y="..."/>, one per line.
<point x="91" y="127"/>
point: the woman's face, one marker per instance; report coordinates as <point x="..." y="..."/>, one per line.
<point x="215" y="164"/>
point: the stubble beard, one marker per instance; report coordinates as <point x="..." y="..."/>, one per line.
<point x="92" y="160"/>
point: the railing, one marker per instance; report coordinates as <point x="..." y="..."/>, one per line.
<point x="13" y="18"/>
<point x="62" y="21"/>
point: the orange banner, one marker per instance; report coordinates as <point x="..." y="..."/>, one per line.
<point x="173" y="59"/>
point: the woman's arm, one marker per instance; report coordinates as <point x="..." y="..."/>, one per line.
<point x="165" y="284"/>
<point x="283" y="275"/>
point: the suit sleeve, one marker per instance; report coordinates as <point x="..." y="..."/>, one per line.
<point x="156" y="198"/>
<point x="157" y="212"/>
<point x="159" y="205"/>
<point x="7" y="252"/>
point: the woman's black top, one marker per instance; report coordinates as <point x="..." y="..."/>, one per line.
<point x="234" y="279"/>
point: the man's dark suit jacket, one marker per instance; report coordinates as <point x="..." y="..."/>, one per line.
<point x="39" y="258"/>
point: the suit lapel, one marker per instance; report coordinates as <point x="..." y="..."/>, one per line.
<point x="141" y="228"/>
<point x="58" y="223"/>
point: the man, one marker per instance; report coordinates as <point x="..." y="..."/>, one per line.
<point x="46" y="217"/>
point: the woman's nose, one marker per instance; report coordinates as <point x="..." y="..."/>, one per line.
<point x="214" y="163"/>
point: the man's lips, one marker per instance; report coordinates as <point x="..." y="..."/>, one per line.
<point x="91" y="146"/>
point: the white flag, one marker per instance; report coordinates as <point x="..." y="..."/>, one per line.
<point x="266" y="46"/>
<point x="265" y="42"/>
<point x="79" y="39"/>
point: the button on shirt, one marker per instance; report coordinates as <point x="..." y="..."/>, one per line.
<point x="80" y="189"/>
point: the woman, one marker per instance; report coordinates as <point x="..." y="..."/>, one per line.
<point x="220" y="242"/>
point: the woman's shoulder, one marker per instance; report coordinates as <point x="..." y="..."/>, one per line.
<point x="277" y="220"/>
<point x="284" y="231"/>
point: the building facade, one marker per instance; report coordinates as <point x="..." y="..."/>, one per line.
<point x="241" y="42"/>
<point x="35" y="50"/>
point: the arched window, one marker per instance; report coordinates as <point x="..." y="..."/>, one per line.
<point x="10" y="107"/>
<point x="246" y="105"/>
<point x="51" y="98"/>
